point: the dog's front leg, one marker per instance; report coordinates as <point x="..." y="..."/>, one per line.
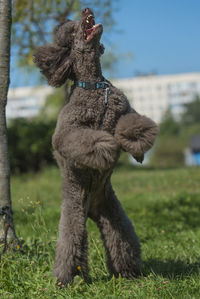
<point x="136" y="134"/>
<point x="87" y="147"/>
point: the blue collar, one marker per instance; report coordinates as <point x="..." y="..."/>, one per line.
<point x="93" y="85"/>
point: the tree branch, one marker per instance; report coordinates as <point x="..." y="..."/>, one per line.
<point x="67" y="11"/>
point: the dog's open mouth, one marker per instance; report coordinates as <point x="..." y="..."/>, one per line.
<point x="89" y="28"/>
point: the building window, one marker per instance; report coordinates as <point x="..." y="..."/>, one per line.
<point x="193" y="85"/>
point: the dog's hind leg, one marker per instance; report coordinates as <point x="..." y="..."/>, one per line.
<point x="120" y="240"/>
<point x="71" y="250"/>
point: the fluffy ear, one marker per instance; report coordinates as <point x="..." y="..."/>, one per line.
<point x="54" y="63"/>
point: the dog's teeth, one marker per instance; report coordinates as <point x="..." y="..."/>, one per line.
<point x="87" y="21"/>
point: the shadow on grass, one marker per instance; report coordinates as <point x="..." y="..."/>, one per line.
<point x="170" y="269"/>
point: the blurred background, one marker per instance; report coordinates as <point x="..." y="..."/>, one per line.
<point x="152" y="54"/>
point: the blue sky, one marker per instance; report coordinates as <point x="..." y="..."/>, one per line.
<point x="162" y="35"/>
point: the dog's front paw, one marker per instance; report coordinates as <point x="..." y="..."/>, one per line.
<point x="139" y="158"/>
<point x="136" y="134"/>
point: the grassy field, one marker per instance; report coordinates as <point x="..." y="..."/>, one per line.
<point x="164" y="206"/>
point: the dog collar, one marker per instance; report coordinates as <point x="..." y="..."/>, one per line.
<point x="96" y="85"/>
<point x="93" y="85"/>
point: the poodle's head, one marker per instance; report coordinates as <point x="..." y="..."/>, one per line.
<point x="71" y="37"/>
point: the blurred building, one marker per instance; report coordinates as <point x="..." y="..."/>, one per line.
<point x="148" y="94"/>
<point x="26" y="101"/>
<point x="153" y="94"/>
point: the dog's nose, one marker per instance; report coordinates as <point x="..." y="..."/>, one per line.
<point x="86" y="11"/>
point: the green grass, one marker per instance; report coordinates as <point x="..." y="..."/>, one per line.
<point x="164" y="206"/>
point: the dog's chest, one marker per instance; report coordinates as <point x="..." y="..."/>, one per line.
<point x="102" y="111"/>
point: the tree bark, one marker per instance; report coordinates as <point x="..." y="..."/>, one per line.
<point x="5" y="198"/>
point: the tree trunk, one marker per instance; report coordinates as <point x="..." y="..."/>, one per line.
<point x="6" y="219"/>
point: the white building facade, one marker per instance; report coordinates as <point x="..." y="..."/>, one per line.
<point x="148" y="95"/>
<point x="26" y="101"/>
<point x="153" y="95"/>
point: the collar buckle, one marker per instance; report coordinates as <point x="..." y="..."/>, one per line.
<point x="93" y="85"/>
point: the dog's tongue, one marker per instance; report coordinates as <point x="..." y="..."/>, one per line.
<point x="89" y="31"/>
